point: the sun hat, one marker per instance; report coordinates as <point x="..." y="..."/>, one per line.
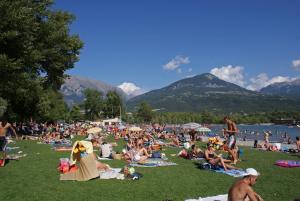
<point x="252" y="172"/>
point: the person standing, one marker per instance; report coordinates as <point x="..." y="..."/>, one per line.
<point x="242" y="189"/>
<point x="4" y="127"/>
<point x="231" y="131"/>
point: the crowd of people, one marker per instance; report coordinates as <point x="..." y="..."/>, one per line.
<point x="143" y="144"/>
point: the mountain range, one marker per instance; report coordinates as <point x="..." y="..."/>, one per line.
<point x="196" y="94"/>
<point x="207" y="92"/>
<point x="74" y="86"/>
<point x="289" y="89"/>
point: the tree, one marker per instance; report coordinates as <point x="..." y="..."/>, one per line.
<point x="145" y="113"/>
<point x="93" y="104"/>
<point x="3" y="105"/>
<point x="36" y="49"/>
<point x="113" y="105"/>
<point x="51" y="106"/>
<point x="75" y="113"/>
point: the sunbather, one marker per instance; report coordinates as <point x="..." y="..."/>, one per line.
<point x="242" y="191"/>
<point x="214" y="159"/>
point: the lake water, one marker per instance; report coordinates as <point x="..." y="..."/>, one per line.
<point x="256" y="131"/>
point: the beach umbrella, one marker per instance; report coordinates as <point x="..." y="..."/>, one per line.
<point x="191" y="125"/>
<point x="202" y="129"/>
<point x="94" y="130"/>
<point x="135" y="129"/>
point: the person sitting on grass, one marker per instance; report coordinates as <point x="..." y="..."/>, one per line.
<point x="216" y="160"/>
<point x="242" y="191"/>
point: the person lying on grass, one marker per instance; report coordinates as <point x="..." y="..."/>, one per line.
<point x="242" y="190"/>
<point x="138" y="154"/>
<point x="214" y="159"/>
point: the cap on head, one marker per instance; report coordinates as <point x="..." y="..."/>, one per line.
<point x="251" y="172"/>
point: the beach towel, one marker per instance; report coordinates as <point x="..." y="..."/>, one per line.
<point x="233" y="173"/>
<point x="153" y="162"/>
<point x="87" y="164"/>
<point x="103" y="159"/>
<point x="287" y="163"/>
<point x="198" y="159"/>
<point x="114" y="173"/>
<point x="15" y="156"/>
<point x="214" y="198"/>
<point x="11" y="148"/>
<point x="87" y="170"/>
<point x="63" y="149"/>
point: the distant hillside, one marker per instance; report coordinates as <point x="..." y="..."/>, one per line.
<point x="207" y="92"/>
<point x="289" y="89"/>
<point x="74" y="86"/>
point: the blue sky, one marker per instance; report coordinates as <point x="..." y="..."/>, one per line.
<point x="152" y="43"/>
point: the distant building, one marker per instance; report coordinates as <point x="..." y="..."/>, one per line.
<point x="110" y="122"/>
<point x="287" y="121"/>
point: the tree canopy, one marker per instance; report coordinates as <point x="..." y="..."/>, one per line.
<point x="36" y="48"/>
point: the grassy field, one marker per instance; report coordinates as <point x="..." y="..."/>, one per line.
<point x="35" y="177"/>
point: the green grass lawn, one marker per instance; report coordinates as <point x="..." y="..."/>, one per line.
<point x="35" y="177"/>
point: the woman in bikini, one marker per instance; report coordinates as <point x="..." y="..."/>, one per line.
<point x="214" y="159"/>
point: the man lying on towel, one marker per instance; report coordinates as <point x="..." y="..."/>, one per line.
<point x="242" y="191"/>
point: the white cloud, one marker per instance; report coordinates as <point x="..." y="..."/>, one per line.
<point x="176" y="63"/>
<point x="296" y="64"/>
<point x="190" y="70"/>
<point x="229" y="73"/>
<point x="131" y="89"/>
<point x="262" y="80"/>
<point x="179" y="70"/>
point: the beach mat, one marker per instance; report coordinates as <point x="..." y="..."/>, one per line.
<point x="233" y="173"/>
<point x="63" y="149"/>
<point x="15" y="156"/>
<point x="214" y="198"/>
<point x="287" y="163"/>
<point x="153" y="162"/>
<point x="114" y="173"/>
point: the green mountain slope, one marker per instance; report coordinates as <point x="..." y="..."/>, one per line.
<point x="207" y="92"/>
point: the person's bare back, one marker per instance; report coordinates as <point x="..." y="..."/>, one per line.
<point x="242" y="190"/>
<point x="238" y="192"/>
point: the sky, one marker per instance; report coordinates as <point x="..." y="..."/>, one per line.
<point x="143" y="45"/>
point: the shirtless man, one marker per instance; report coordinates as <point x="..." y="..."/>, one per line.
<point x="232" y="132"/>
<point x="4" y="126"/>
<point x="242" y="190"/>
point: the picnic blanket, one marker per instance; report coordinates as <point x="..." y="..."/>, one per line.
<point x="198" y="159"/>
<point x="153" y="162"/>
<point x="15" y="156"/>
<point x="114" y="173"/>
<point x="233" y="173"/>
<point x="103" y="159"/>
<point x="287" y="163"/>
<point x="63" y="149"/>
<point x="214" y="198"/>
<point x="11" y="148"/>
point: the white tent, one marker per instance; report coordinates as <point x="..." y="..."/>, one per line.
<point x="109" y="122"/>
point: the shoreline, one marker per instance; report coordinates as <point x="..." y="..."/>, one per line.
<point x="250" y="143"/>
